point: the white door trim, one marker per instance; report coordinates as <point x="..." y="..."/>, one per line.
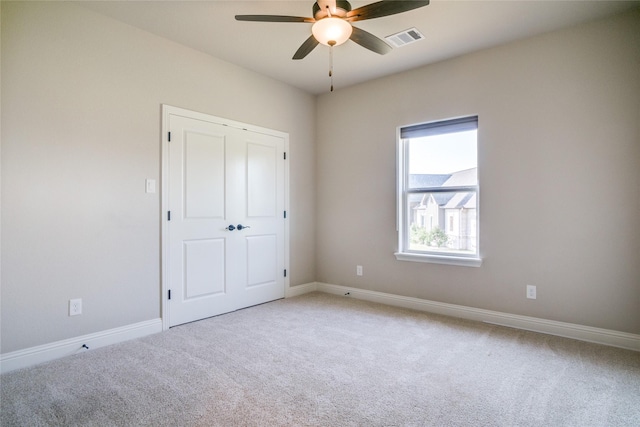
<point x="167" y="111"/>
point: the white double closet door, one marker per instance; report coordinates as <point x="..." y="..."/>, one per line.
<point x="226" y="216"/>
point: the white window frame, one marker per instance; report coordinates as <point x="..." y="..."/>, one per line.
<point x="402" y="218"/>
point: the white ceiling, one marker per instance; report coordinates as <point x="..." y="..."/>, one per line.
<point x="451" y="28"/>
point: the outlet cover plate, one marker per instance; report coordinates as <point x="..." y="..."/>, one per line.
<point x="75" y="307"/>
<point x="531" y="292"/>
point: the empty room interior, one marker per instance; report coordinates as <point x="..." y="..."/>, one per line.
<point x="172" y="177"/>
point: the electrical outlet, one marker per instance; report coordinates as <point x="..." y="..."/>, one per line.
<point x="358" y="270"/>
<point x="75" y="307"/>
<point x="531" y="292"/>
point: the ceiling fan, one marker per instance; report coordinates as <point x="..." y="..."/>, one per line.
<point x="332" y="23"/>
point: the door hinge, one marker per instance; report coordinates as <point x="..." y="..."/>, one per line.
<point x="285" y="214"/>
<point x="169" y="294"/>
<point x="169" y="136"/>
<point x="285" y="272"/>
<point x="168" y="215"/>
<point x="285" y="155"/>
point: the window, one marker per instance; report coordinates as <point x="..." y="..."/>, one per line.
<point x="438" y="179"/>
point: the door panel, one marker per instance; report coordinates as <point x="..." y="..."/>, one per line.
<point x="204" y="270"/>
<point x="264" y="201"/>
<point x="262" y="260"/>
<point x="262" y="180"/>
<point x="221" y="176"/>
<point x="198" y="241"/>
<point x="204" y="175"/>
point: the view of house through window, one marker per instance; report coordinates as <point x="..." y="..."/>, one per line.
<point x="440" y="188"/>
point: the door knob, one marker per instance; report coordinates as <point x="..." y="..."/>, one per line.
<point x="231" y="228"/>
<point x="240" y="226"/>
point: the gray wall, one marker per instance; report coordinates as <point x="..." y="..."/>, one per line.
<point x="559" y="169"/>
<point x="81" y="116"/>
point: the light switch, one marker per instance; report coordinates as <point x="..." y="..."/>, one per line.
<point x="150" y="185"/>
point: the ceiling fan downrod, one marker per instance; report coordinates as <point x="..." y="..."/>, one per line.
<point x="331" y="45"/>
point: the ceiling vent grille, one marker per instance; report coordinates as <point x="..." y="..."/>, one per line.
<point x="405" y="37"/>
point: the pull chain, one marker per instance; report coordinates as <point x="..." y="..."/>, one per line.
<point x="331" y="44"/>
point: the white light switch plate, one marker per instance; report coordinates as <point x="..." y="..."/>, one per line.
<point x="150" y="185"/>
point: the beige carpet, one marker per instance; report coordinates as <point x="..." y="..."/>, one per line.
<point x="323" y="360"/>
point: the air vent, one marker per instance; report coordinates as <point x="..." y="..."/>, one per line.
<point x="405" y="37"/>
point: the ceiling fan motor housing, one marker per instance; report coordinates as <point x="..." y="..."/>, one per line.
<point x="342" y="7"/>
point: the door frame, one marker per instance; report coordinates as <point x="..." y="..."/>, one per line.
<point x="167" y="111"/>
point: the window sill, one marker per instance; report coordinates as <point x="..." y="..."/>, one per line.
<point x="439" y="259"/>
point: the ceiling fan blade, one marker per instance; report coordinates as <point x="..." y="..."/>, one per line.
<point x="273" y="18"/>
<point x="369" y="41"/>
<point x="384" y="8"/>
<point x="306" y="48"/>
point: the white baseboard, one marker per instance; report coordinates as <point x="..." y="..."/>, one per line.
<point x="551" y="327"/>
<point x="44" y="353"/>
<point x="294" y="291"/>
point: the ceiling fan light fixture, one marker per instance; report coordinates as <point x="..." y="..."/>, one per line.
<point x="331" y="29"/>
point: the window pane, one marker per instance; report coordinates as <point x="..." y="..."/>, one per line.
<point x="439" y="204"/>
<point x="442" y="222"/>
<point x="443" y="160"/>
